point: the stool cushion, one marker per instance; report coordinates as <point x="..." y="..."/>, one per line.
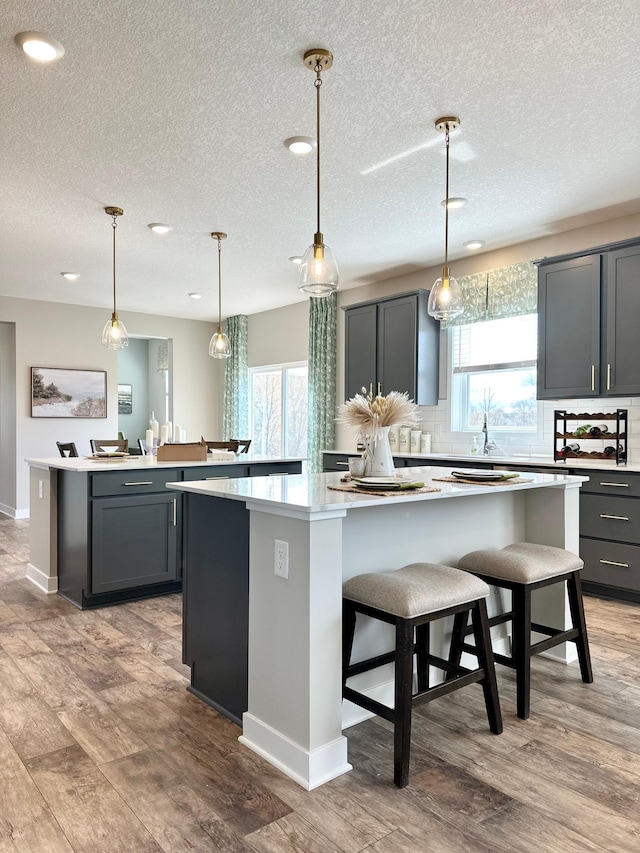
<point x="522" y="562"/>
<point x="415" y="590"/>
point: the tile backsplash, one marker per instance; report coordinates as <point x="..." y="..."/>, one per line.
<point x="437" y="420"/>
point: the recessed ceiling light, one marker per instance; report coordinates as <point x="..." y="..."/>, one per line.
<point x="39" y="46"/>
<point x="296" y="259"/>
<point x="454" y="203"/>
<point x="70" y="276"/>
<point x="473" y="244"/>
<point x="159" y="227"/>
<point x="300" y="144"/>
<point x="195" y="295"/>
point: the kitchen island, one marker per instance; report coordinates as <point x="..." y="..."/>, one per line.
<point x="108" y="530"/>
<point x="299" y="527"/>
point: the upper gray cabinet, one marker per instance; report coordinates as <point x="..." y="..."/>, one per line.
<point x="392" y="344"/>
<point x="588" y="310"/>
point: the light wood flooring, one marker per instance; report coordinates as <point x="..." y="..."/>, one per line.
<point x="102" y="748"/>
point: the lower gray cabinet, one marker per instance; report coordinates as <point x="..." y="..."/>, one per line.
<point x="134" y="541"/>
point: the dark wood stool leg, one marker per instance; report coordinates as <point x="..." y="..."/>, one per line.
<point x="460" y="621"/>
<point x="485" y="660"/>
<point x="403" y="695"/>
<point x="348" y="630"/>
<point x="521" y="604"/>
<point x="423" y="645"/>
<point x="574" y="589"/>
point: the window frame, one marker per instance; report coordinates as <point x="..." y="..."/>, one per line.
<point x="283" y="369"/>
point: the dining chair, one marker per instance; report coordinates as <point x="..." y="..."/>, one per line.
<point x="67" y="449"/>
<point x="233" y="444"/>
<point x="110" y="444"/>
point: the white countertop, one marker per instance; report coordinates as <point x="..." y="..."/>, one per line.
<point x="308" y="493"/>
<point x="93" y="466"/>
<point x="525" y="461"/>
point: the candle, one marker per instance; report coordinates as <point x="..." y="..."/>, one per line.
<point x="183" y="436"/>
<point x="167" y="424"/>
<point x="149" y="440"/>
<point x="177" y="430"/>
<point x="164" y="434"/>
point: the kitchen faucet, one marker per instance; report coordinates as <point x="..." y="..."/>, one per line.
<point x="487" y="444"/>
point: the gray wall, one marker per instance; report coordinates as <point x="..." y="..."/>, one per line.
<point x="7" y="416"/>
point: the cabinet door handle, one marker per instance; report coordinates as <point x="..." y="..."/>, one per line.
<point x="278" y="474"/>
<point x="617" y="485"/>
<point x="221" y="477"/>
<point x="608" y="377"/>
<point x="379" y="388"/>
<point x="614" y="563"/>
<point x="616" y="517"/>
<point x="140" y="483"/>
<point x="593" y="377"/>
<point x="175" y="513"/>
<point x="342" y="464"/>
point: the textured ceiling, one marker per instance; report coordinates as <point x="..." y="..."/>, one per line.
<point x="177" y="112"/>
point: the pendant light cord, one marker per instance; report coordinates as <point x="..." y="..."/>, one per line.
<point x="219" y="287"/>
<point x="318" y="83"/>
<point x="114" y="226"/>
<point x="446" y="207"/>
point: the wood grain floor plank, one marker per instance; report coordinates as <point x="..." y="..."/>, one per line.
<point x="58" y="685"/>
<point x="31" y="726"/>
<point x="92" y="814"/>
<point x="19" y="641"/>
<point x="103" y="735"/>
<point x="290" y="834"/>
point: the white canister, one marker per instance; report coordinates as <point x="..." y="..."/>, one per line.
<point x="425" y="442"/>
<point x="394" y="438"/>
<point x="416" y="435"/>
<point x="404" y="445"/>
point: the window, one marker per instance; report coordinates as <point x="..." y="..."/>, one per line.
<point x="494" y="371"/>
<point x="278" y="409"/>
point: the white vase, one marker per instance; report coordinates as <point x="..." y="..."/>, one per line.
<point x="379" y="458"/>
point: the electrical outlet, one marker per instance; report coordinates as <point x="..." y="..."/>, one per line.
<point x="281" y="562"/>
<point x="40" y="489"/>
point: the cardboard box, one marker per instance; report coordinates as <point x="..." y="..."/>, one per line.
<point x="182" y="453"/>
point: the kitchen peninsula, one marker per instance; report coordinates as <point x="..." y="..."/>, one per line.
<point x="262" y="608"/>
<point x="104" y="531"/>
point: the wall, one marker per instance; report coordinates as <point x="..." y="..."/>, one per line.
<point x="197" y="379"/>
<point x="280" y="336"/>
<point x="133" y="369"/>
<point x="7" y="416"/>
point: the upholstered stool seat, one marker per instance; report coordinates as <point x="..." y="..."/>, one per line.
<point x="522" y="568"/>
<point x="410" y="599"/>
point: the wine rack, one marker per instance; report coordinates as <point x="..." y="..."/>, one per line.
<point x="575" y="428"/>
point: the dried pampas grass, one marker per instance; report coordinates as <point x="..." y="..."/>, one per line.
<point x="368" y="413"/>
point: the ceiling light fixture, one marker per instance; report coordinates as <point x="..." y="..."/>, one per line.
<point x="453" y="203"/>
<point x="39" y="46"/>
<point x="472" y="245"/>
<point x="296" y="259"/>
<point x="159" y="227"/>
<point x="70" y="276"/>
<point x="318" y="274"/>
<point x="114" y="334"/>
<point x="300" y="144"/>
<point x="445" y="299"/>
<point x="219" y="346"/>
<point x="195" y="295"/>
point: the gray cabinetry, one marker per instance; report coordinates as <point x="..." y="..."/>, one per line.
<point x="588" y="307"/>
<point x="392" y="344"/>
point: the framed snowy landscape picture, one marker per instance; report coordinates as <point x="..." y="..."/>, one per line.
<point x="58" y="392"/>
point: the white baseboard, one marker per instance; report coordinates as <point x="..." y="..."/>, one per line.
<point x="12" y="512"/>
<point x="43" y="582"/>
<point x="309" y="768"/>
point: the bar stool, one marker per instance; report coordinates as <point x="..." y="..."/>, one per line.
<point x="523" y="568"/>
<point x="411" y="598"/>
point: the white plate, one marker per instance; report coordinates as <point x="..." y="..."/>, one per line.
<point x="379" y="481"/>
<point x="480" y="475"/>
<point x="106" y="454"/>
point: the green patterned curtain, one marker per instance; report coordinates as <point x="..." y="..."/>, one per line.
<point x="322" y="378"/>
<point x="492" y="295"/>
<point x="235" y="421"/>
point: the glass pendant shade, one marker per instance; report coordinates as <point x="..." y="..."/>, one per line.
<point x="318" y="274"/>
<point x="445" y="298"/>
<point x="114" y="334"/>
<point x="219" y="346"/>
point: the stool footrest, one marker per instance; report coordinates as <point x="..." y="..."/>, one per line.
<point x="550" y="642"/>
<point x="369" y="704"/>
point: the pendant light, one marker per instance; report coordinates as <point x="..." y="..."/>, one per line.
<point x="445" y="299"/>
<point x="318" y="274"/>
<point x="114" y="334"/>
<point x="219" y="346"/>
